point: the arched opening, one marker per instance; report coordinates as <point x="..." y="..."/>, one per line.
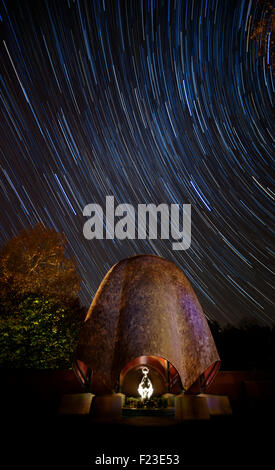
<point x="83" y="373"/>
<point x="163" y="375"/>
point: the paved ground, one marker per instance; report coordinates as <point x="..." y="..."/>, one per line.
<point x="35" y="441"/>
<point x="35" y="437"/>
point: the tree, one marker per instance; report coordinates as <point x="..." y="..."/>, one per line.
<point x="246" y="346"/>
<point x="35" y="261"/>
<point x="39" y="333"/>
<point x="263" y="30"/>
<point x="40" y="313"/>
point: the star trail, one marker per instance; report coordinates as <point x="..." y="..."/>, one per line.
<point x="156" y="101"/>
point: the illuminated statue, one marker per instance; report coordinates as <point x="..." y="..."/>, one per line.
<point x="145" y="388"/>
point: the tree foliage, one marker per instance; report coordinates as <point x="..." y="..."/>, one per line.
<point x="35" y="261"/>
<point x="39" y="333"/>
<point x="247" y="346"/>
<point x="40" y="314"/>
<point x="263" y="30"/>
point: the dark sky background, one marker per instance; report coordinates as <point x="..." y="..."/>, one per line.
<point x="152" y="102"/>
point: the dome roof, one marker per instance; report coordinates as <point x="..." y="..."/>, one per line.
<point x="145" y="306"/>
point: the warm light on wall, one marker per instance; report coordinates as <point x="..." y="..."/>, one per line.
<point x="145" y="388"/>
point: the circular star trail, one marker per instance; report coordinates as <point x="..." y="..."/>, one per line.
<point x="151" y="102"/>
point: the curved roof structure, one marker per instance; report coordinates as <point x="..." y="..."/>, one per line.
<point x="145" y="306"/>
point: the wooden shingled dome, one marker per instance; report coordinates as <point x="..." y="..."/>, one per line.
<point x="145" y="306"/>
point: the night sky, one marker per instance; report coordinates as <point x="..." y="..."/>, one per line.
<point x="152" y="102"/>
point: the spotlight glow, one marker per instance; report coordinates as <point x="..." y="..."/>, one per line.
<point x="145" y="388"/>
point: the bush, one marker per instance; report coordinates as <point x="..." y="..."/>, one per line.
<point x="153" y="402"/>
<point x="38" y="332"/>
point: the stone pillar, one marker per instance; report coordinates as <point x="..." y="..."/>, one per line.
<point x="76" y="404"/>
<point x="218" y="405"/>
<point x="190" y="407"/>
<point x="108" y="406"/>
<point x="170" y="399"/>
